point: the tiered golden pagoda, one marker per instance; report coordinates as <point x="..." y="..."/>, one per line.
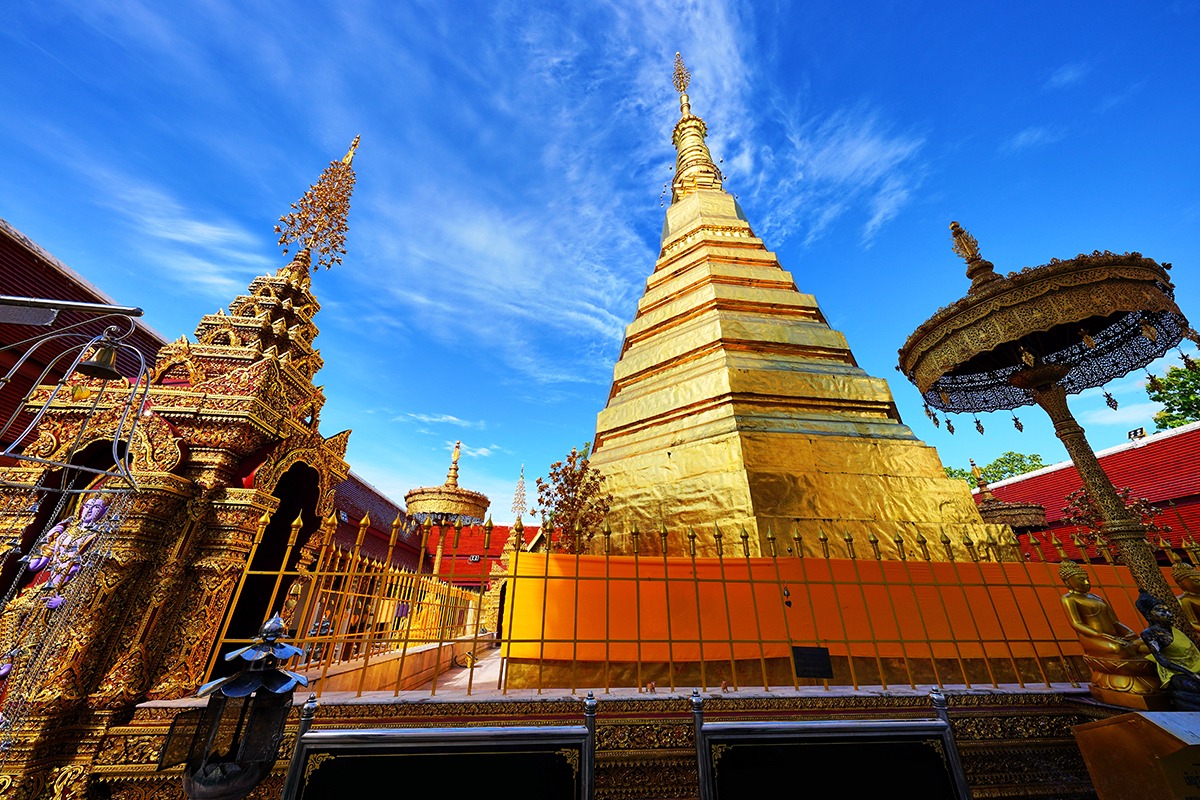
<point x="229" y="461"/>
<point x="735" y="403"/>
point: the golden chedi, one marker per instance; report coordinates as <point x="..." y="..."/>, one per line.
<point x="1121" y="673"/>
<point x="735" y="403"/>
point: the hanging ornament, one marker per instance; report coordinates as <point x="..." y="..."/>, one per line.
<point x="936" y="422"/>
<point x="1190" y="333"/>
<point x="1087" y="339"/>
<point x="979" y="426"/>
<point x="1149" y="331"/>
<point x="929" y="413"/>
<point x="1017" y="424"/>
<point x="1112" y="401"/>
<point x="1153" y="383"/>
<point x="1029" y="358"/>
<point x="945" y="397"/>
<point x="1189" y="363"/>
<point x="949" y="426"/>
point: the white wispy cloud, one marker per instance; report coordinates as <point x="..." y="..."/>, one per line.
<point x="846" y="160"/>
<point x="1033" y="136"/>
<point x="440" y="419"/>
<point x="477" y="452"/>
<point x="1068" y="74"/>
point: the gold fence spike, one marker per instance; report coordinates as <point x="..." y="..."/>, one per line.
<point x="1057" y="543"/>
<point x="947" y="545"/>
<point x="717" y="537"/>
<point x="923" y="543"/>
<point x="900" y="551"/>
<point x="797" y="540"/>
<point x="691" y="535"/>
<point x="824" y="540"/>
<point x="849" y="540"/>
<point x="745" y="537"/>
<point x="771" y="540"/>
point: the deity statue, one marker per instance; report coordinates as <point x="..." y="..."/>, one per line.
<point x="1187" y="578"/>
<point x="1172" y="652"/>
<point x="54" y="561"/>
<point x="1121" y="675"/>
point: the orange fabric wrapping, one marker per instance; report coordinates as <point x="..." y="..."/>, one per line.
<point x="644" y="609"/>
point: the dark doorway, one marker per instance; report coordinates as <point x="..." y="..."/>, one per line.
<point x="298" y="491"/>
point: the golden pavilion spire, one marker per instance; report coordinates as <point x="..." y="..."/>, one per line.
<point x="694" y="167"/>
<point x="317" y="220"/>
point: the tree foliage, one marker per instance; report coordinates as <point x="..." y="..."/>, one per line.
<point x="573" y="499"/>
<point x="1082" y="512"/>
<point x="1005" y="466"/>
<point x="1179" y="392"/>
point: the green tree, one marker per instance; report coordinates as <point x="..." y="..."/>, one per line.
<point x="573" y="499"/>
<point x="1179" y="392"/>
<point x="1005" y="466"/>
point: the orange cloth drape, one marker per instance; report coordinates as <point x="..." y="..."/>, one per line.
<point x="622" y="608"/>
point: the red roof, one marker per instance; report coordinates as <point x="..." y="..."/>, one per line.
<point x="26" y="270"/>
<point x="468" y="565"/>
<point x="1163" y="468"/>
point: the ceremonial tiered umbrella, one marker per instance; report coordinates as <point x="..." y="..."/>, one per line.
<point x="1037" y="335"/>
<point x="448" y="504"/>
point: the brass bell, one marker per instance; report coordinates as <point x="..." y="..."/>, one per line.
<point x="101" y="365"/>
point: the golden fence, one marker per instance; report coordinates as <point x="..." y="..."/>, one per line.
<point x="565" y="621"/>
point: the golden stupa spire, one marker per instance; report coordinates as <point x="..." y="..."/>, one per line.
<point x="694" y="167"/>
<point x="317" y="220"/>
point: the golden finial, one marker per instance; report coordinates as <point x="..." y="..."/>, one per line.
<point x="965" y="245"/>
<point x="452" y="474"/>
<point x="682" y="76"/>
<point x="979" y="269"/>
<point x="349" y="157"/>
<point x="317" y="220"/>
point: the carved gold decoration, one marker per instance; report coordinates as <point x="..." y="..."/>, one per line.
<point x="572" y="757"/>
<point x="1034" y="300"/>
<point x="314" y="763"/>
<point x="317" y="220"/>
<point x="176" y="353"/>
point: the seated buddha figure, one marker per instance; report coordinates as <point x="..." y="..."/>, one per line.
<point x="1187" y="578"/>
<point x="1116" y="656"/>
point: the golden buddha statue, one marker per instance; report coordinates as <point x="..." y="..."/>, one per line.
<point x="1116" y="655"/>
<point x="1187" y="578"/>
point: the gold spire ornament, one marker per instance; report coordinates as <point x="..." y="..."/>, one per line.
<point x="694" y="167"/>
<point x="317" y="221"/>
<point x="966" y="246"/>
<point x="682" y="77"/>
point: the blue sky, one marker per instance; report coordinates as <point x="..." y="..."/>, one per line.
<point x="513" y="154"/>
